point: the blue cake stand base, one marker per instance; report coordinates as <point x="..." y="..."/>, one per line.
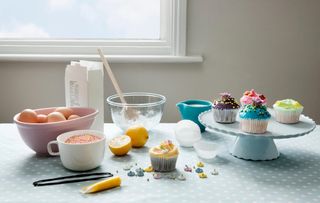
<point x="254" y="148"/>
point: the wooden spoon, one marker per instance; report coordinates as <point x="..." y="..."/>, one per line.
<point x="128" y="112"/>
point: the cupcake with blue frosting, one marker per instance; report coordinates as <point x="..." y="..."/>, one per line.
<point x="254" y="117"/>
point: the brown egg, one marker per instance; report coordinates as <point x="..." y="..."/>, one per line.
<point x="73" y="116"/>
<point x="28" y="116"/>
<point x="65" y="111"/>
<point x="42" y="118"/>
<point x="55" y="117"/>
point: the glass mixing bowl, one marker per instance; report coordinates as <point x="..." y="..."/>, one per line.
<point x="148" y="108"/>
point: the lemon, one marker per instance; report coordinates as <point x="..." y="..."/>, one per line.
<point x="120" y="145"/>
<point x="138" y="134"/>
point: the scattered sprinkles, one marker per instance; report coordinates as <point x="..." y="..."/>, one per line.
<point x="131" y="174"/>
<point x="202" y="175"/>
<point x="214" y="172"/>
<point x="200" y="164"/>
<point x="127" y="167"/>
<point x="157" y="176"/>
<point x="199" y="170"/>
<point x="256" y="102"/>
<point x="148" y="169"/>
<point x="187" y="169"/>
<point x="255" y="110"/>
<point x="248" y="97"/>
<point x="140" y="172"/>
<point x="79" y="139"/>
<point x="225" y="102"/>
<point x="171" y="176"/>
<point x="181" y="177"/>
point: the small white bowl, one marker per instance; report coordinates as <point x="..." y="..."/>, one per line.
<point x="206" y="150"/>
<point x="79" y="157"/>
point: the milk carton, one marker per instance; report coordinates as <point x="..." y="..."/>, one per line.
<point x="84" y="87"/>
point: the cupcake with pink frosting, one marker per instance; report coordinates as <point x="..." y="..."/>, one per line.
<point x="248" y="97"/>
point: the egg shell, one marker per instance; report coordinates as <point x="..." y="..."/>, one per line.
<point x="28" y="116"/>
<point x="55" y="117"/>
<point x="42" y="118"/>
<point x="65" y="111"/>
<point x="73" y="116"/>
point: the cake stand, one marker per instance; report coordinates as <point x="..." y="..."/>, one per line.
<point x="258" y="147"/>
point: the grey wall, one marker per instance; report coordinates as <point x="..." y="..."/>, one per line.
<point x="272" y="46"/>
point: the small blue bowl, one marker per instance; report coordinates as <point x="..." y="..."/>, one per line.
<point x="190" y="110"/>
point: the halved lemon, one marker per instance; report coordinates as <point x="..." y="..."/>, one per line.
<point x="120" y="145"/>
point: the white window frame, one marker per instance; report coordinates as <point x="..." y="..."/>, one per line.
<point x="171" y="47"/>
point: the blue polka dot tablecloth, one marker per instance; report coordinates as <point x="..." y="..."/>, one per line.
<point x="293" y="177"/>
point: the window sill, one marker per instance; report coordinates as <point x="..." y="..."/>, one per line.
<point x="111" y="58"/>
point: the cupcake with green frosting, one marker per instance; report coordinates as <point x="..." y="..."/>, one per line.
<point x="254" y="117"/>
<point x="287" y="111"/>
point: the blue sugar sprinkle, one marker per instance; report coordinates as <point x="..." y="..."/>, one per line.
<point x="140" y="174"/>
<point x="138" y="170"/>
<point x="131" y="173"/>
<point x="199" y="170"/>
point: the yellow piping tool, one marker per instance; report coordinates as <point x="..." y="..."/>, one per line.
<point x="102" y="185"/>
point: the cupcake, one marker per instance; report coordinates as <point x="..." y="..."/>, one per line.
<point x="287" y="111"/>
<point x="249" y="95"/>
<point x="225" y="109"/>
<point x="254" y="117"/>
<point x="164" y="157"/>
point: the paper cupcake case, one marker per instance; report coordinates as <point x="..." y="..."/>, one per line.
<point x="254" y="125"/>
<point x="163" y="164"/>
<point x="291" y="116"/>
<point x="225" y="115"/>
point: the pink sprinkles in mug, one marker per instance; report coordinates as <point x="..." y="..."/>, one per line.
<point x="82" y="139"/>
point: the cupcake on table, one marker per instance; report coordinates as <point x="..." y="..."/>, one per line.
<point x="248" y="96"/>
<point x="225" y="109"/>
<point x="254" y="117"/>
<point x="164" y="157"/>
<point x="287" y="111"/>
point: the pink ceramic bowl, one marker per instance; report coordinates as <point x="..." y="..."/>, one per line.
<point x="37" y="135"/>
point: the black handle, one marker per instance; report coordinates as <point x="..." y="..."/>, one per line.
<point x="76" y="178"/>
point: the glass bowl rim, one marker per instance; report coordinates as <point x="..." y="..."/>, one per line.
<point x="119" y="104"/>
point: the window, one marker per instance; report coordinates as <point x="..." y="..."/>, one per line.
<point x="80" y="19"/>
<point x="71" y="29"/>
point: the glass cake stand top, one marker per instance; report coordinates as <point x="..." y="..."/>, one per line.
<point x="258" y="146"/>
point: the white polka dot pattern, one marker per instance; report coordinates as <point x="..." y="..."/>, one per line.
<point x="294" y="177"/>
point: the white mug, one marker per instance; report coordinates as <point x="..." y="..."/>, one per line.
<point x="79" y="157"/>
